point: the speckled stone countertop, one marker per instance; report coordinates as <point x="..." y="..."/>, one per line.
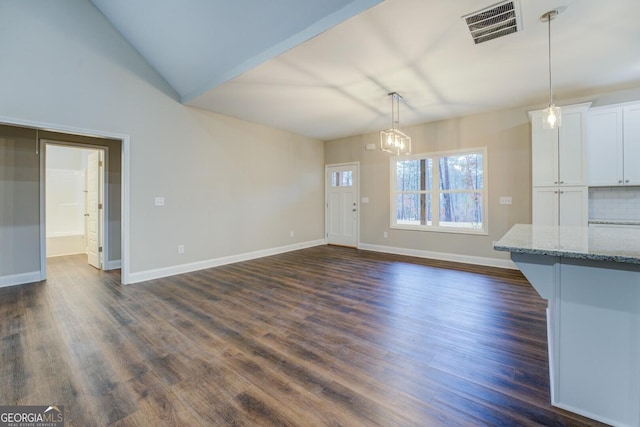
<point x="614" y="222"/>
<point x="595" y="243"/>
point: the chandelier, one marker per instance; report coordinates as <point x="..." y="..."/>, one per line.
<point x="392" y="140"/>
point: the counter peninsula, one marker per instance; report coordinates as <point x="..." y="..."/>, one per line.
<point x="590" y="277"/>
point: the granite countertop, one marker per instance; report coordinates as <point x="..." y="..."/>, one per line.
<point x="595" y="243"/>
<point x="613" y="222"/>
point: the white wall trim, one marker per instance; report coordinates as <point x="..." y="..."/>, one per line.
<point x="442" y="256"/>
<point x="113" y="264"/>
<point x="158" y="273"/>
<point x="18" y="279"/>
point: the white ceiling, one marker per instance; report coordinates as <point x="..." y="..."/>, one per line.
<point x="324" y="68"/>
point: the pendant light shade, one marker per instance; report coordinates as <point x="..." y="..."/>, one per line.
<point x="552" y="115"/>
<point x="392" y="140"/>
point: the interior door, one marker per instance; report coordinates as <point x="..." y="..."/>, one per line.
<point x="342" y="205"/>
<point x="94" y="209"/>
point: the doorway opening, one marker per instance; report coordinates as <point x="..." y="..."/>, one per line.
<point x="74" y="201"/>
<point x="22" y="189"/>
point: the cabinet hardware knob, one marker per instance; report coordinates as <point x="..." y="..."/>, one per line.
<point x="626" y="181"/>
<point x="620" y="181"/>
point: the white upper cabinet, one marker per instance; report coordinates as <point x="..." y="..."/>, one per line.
<point x="559" y="169"/>
<point x="613" y="145"/>
<point x="559" y="155"/>
<point x="604" y="146"/>
<point x="631" y="136"/>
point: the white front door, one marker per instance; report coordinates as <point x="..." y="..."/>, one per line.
<point x="94" y="209"/>
<point x="342" y="204"/>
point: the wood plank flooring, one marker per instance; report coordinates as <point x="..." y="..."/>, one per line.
<point x="322" y="336"/>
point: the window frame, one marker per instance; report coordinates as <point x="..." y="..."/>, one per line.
<point x="435" y="192"/>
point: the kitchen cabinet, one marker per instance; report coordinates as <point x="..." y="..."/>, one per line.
<point x="559" y="155"/>
<point x="559" y="169"/>
<point x="560" y="205"/>
<point x="613" y="145"/>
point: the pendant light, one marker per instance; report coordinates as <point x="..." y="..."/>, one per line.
<point x="392" y="140"/>
<point x="552" y="115"/>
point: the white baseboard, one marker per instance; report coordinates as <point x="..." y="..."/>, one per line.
<point x="158" y="273"/>
<point x="113" y="265"/>
<point x="67" y="244"/>
<point x="19" y="279"/>
<point x="441" y="256"/>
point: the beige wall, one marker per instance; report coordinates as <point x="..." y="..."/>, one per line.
<point x="231" y="187"/>
<point x="506" y="136"/>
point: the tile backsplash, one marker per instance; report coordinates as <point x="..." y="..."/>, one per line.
<point x="614" y="203"/>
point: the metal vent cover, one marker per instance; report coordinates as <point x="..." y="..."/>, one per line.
<point x="494" y="21"/>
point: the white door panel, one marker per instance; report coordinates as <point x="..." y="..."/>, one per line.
<point x="94" y="209"/>
<point x="342" y="206"/>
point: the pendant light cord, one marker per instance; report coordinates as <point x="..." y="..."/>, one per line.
<point x="549" y="39"/>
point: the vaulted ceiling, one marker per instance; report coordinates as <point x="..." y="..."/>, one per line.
<point x="324" y="68"/>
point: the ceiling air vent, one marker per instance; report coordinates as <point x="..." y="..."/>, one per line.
<point x="494" y="21"/>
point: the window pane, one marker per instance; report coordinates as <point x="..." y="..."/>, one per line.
<point x="461" y="210"/>
<point x="461" y="172"/>
<point x="342" y="179"/>
<point x="413" y="208"/>
<point x="347" y="179"/>
<point x="414" y="175"/>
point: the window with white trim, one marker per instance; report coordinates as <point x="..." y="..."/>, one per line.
<point x="443" y="191"/>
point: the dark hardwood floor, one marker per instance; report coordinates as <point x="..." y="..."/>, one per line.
<point x="321" y="336"/>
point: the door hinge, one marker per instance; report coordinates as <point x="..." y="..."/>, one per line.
<point x="100" y="249"/>
<point x="99" y="205"/>
<point x="100" y="163"/>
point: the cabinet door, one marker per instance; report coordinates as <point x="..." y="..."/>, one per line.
<point x="571" y="149"/>
<point x="604" y="146"/>
<point x="574" y="206"/>
<point x="544" y="153"/>
<point x="545" y="206"/>
<point x="631" y="126"/>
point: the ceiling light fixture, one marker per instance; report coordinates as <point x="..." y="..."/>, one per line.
<point x="552" y="115"/>
<point x="392" y="140"/>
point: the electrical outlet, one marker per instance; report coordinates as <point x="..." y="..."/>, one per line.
<point x="505" y="200"/>
<point x="159" y="201"/>
<point x="180" y="249"/>
<point x="291" y="233"/>
<point x="385" y="235"/>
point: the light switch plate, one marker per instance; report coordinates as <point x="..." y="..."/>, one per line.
<point x="505" y="200"/>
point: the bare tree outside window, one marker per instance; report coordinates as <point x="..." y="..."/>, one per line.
<point x="443" y="190"/>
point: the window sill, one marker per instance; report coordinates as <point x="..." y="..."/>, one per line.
<point x="440" y="229"/>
